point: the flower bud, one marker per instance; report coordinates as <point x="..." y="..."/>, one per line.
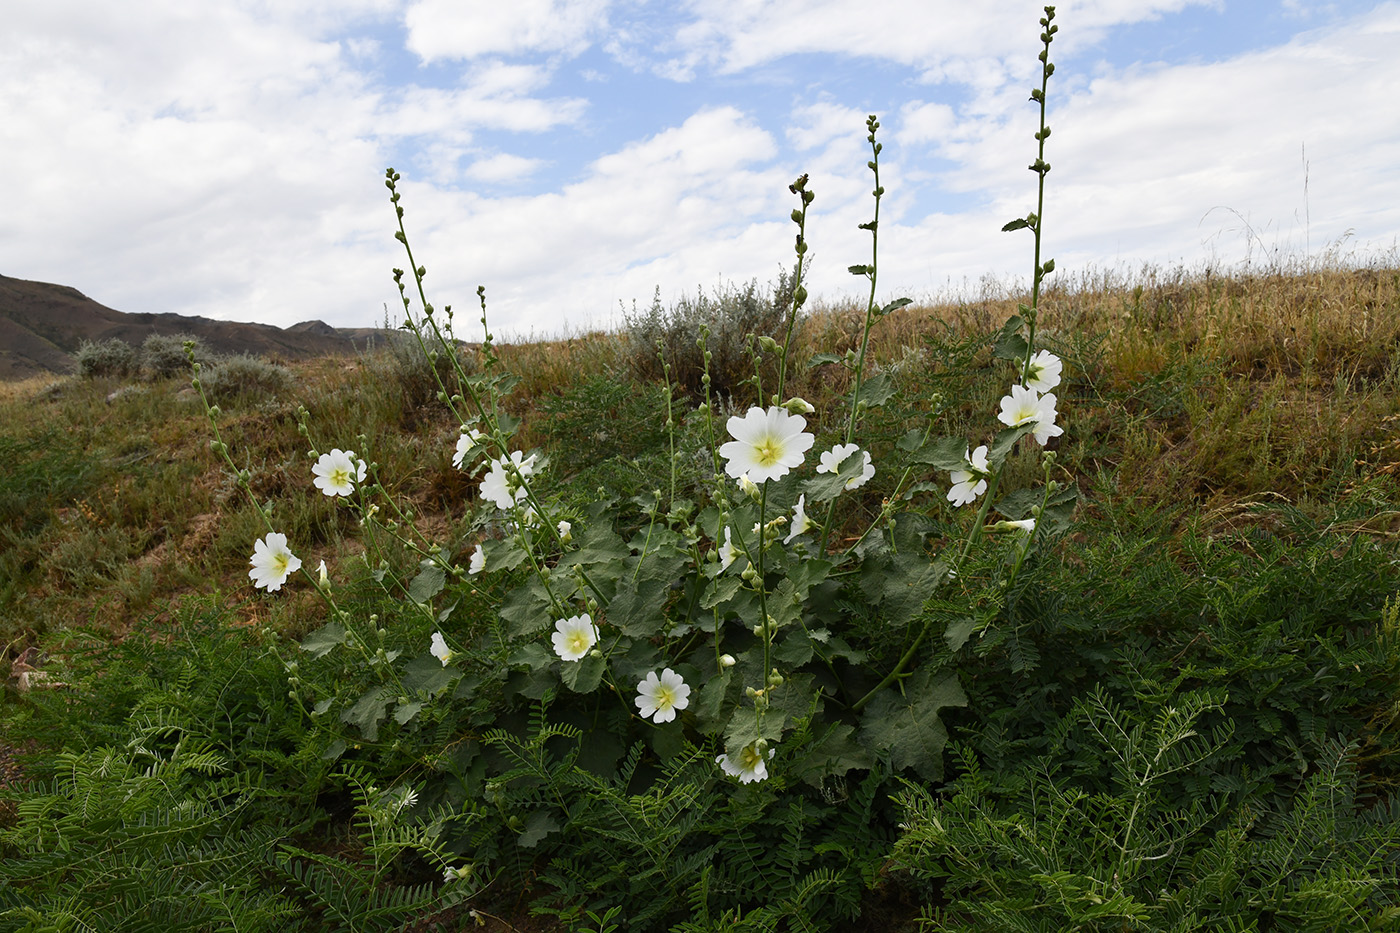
<point x="799" y="406"/>
<point x="775" y="679"/>
<point x="726" y="661"/>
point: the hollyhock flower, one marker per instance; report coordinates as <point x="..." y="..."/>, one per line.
<point x="766" y="444"/>
<point x="478" y="561"/>
<point x="1043" y="373"/>
<point x="831" y="463"/>
<point x="1045" y="426"/>
<point x="748" y="766"/>
<point x="800" y="522"/>
<point x="748" y="487"/>
<point x="566" y="532"/>
<point x="971" y="482"/>
<point x="574" y="637"/>
<point x="727" y="551"/>
<point x="337" y="472"/>
<point x="465" y="443"/>
<point x="660" y="697"/>
<point x="501" y="486"/>
<point x="1022" y="406"/>
<point x="1024" y="525"/>
<point x="439" y="649"/>
<point x="272" y="562"/>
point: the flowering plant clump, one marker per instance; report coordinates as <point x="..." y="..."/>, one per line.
<point x="831" y="638"/>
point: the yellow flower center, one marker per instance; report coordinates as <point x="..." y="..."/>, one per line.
<point x="340" y="477"/>
<point x="279" y="564"/>
<point x="768" y="451"/>
<point x="578" y="642"/>
<point x="665" y="697"/>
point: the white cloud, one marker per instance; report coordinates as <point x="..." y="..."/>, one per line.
<point x="454" y="29"/>
<point x="502" y="167"/>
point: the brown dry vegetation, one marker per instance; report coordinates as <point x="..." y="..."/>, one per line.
<point x="1206" y="391"/>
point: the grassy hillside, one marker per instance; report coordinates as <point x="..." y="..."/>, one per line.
<point x="1233" y="440"/>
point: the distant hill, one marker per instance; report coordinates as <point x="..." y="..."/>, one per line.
<point x="42" y="326"/>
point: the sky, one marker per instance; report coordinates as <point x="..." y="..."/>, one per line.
<point x="226" y="158"/>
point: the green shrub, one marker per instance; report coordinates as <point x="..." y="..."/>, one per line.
<point x="164" y="356"/>
<point x="244" y="378"/>
<point x="112" y="357"/>
<point x="732" y="315"/>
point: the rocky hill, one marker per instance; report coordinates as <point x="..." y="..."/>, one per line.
<point x="42" y="326"/>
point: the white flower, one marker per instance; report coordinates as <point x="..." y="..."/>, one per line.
<point x="453" y="874"/>
<point x="748" y="487"/>
<point x="971" y="482"/>
<point x="1045" y="426"/>
<point x="1022" y="406"/>
<point x="465" y="443"/>
<point x="478" y="561"/>
<point x="440" y="650"/>
<point x="574" y="637"/>
<point x="322" y="576"/>
<point x="1043" y="373"/>
<point x="766" y="444"/>
<point x="659" y="698"/>
<point x="726" y="660"/>
<point x="800" y="521"/>
<point x="500" y="485"/>
<point x="833" y="458"/>
<point x="337" y="472"/>
<point x="748" y="766"/>
<point x="1025" y="526"/>
<point x="727" y="551"/>
<point x="566" y="532"/>
<point x="272" y="562"/>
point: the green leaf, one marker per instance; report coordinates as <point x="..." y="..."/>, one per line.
<point x="321" y="641"/>
<point x="1009" y="344"/>
<point x="858" y="270"/>
<point x="1001" y="445"/>
<point x="527" y="609"/>
<point x="638" y="610"/>
<point x="896" y="305"/>
<point x="427" y="675"/>
<point x="721" y="589"/>
<point x="945" y="453"/>
<point x="709" y="706"/>
<point x="820" y="359"/>
<point x="406" y="711"/>
<point x="1018" y="224"/>
<point x="959" y="632"/>
<point x="877" y="390"/>
<point x="532" y="655"/>
<point x="905" y="726"/>
<point x="832" y="755"/>
<point x="428" y="583"/>
<point x="537" y="826"/>
<point x="368" y="711"/>
<point x="584" y="675"/>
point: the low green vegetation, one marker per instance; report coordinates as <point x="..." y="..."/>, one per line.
<point x="561" y="672"/>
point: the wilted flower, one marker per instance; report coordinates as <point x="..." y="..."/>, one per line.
<point x="971" y="482"/>
<point x="439" y="649"/>
<point x="1024" y="525"/>
<point x="272" y="562"/>
<point x="337" y="472"/>
<point x="322" y="576"/>
<point x="478" y="561"/>
<point x="501" y="486"/>
<point x="727" y="551"/>
<point x="767" y="444"/>
<point x="748" y="487"/>
<point x="465" y="443"/>
<point x="566" y="532"/>
<point x="1043" y="373"/>
<point x="574" y="637"/>
<point x="748" y="766"/>
<point x="800" y="522"/>
<point x="660" y="697"/>
<point x="831" y="463"/>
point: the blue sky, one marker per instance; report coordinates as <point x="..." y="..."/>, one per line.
<point x="225" y="157"/>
